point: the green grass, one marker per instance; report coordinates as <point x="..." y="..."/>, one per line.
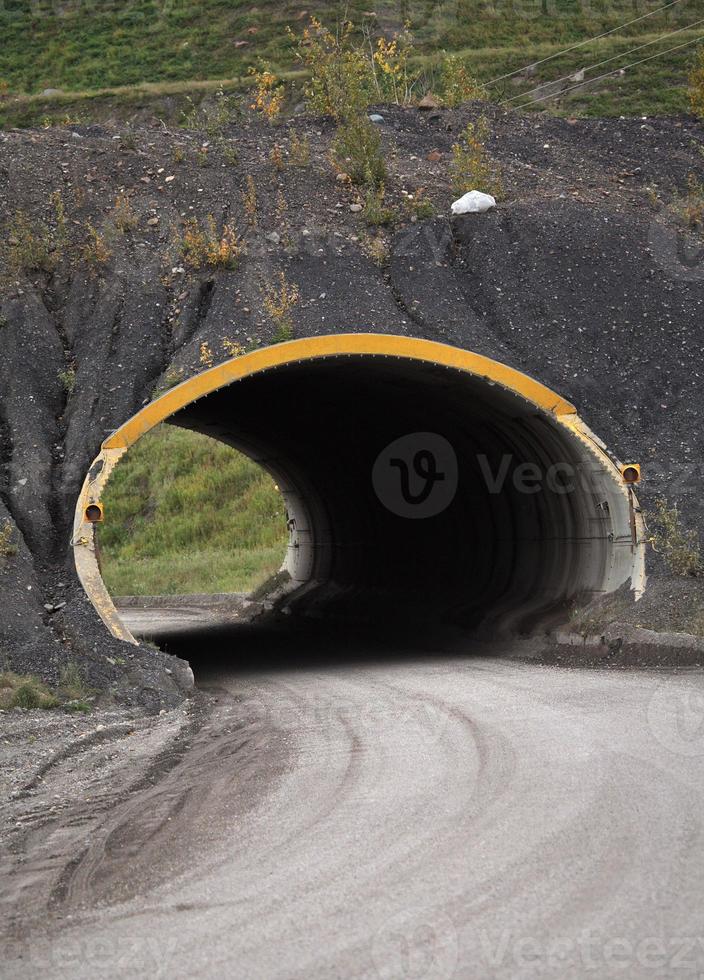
<point x="28" y="691"/>
<point x="184" y="513"/>
<point x="24" y="691"/>
<point x="103" y="53"/>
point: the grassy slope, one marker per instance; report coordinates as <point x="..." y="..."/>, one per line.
<point x="185" y="513"/>
<point x="84" y="46"/>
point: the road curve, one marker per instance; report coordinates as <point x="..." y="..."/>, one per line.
<point x="427" y="816"/>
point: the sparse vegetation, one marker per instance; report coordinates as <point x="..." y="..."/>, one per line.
<point x="249" y="199"/>
<point x="204" y="246"/>
<point x="174" y="376"/>
<point x="357" y="151"/>
<point x="420" y="205"/>
<point x="68" y="379"/>
<point x="696" y="85"/>
<point x="277" y="158"/>
<point x="268" y="93"/>
<point x="72" y="686"/>
<point x="24" y="691"/>
<point x="205" y="355"/>
<point x="375" y="213"/>
<point x="32" y="246"/>
<point x="232" y="347"/>
<point x="378" y="250"/>
<point x="213" y="114"/>
<point x="691" y="209"/>
<point x="28" y="691"/>
<point x="458" y="84"/>
<point x="229" y="153"/>
<point x="679" y="547"/>
<point x="299" y="151"/>
<point x="472" y="168"/>
<point x="123" y="217"/>
<point x="8" y="544"/>
<point x="173" y="501"/>
<point x="279" y="302"/>
<point x="96" y="252"/>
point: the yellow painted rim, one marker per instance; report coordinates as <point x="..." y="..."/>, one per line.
<point x="336" y="345"/>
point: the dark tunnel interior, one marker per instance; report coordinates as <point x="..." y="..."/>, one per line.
<point x="418" y="492"/>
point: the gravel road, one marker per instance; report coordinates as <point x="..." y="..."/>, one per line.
<point x="425" y="814"/>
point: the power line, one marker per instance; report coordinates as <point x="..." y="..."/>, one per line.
<point x="581" y="44"/>
<point x="607" y="74"/>
<point x="599" y="64"/>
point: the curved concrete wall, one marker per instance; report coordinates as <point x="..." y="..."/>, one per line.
<point x="522" y="511"/>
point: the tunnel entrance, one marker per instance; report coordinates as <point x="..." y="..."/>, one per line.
<point x="421" y="482"/>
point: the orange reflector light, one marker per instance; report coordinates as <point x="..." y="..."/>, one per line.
<point x="630" y="473"/>
<point x="94" y="514"/>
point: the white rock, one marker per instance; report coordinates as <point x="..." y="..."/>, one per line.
<point x="473" y="202"/>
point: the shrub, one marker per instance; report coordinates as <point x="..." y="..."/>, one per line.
<point x="279" y="303"/>
<point x="696" y="85"/>
<point x="96" y="251"/>
<point x="375" y="213"/>
<point x="204" y="246"/>
<point x="212" y="116"/>
<point x="420" y="205"/>
<point x="378" y="250"/>
<point x="72" y="685"/>
<point x="357" y="151"/>
<point x="205" y="355"/>
<point x="8" y="545"/>
<point x="268" y="94"/>
<point x="679" y="547"/>
<point x="458" y="83"/>
<point x="692" y="207"/>
<point x="471" y="167"/>
<point x="277" y="158"/>
<point x="32" y="247"/>
<point x="341" y="77"/>
<point x="123" y="217"/>
<point x="299" y="151"/>
<point x="68" y="379"/>
<point x="249" y="199"/>
<point x="390" y="64"/>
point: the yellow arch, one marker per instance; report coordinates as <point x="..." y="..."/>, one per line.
<point x="336" y="345"/>
<point x="267" y="358"/>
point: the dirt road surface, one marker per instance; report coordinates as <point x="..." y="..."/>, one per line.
<point x="407" y="813"/>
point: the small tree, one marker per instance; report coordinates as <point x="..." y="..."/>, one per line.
<point x="341" y="81"/>
<point x="472" y="168"/>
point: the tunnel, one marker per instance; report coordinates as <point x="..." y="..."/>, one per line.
<point x="421" y="483"/>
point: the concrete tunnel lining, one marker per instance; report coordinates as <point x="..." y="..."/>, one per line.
<point x="318" y="413"/>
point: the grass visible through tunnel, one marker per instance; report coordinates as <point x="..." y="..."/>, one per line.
<point x="185" y="513"/>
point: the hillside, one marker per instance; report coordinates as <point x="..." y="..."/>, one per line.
<point x="188" y="514"/>
<point x="124" y="61"/>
